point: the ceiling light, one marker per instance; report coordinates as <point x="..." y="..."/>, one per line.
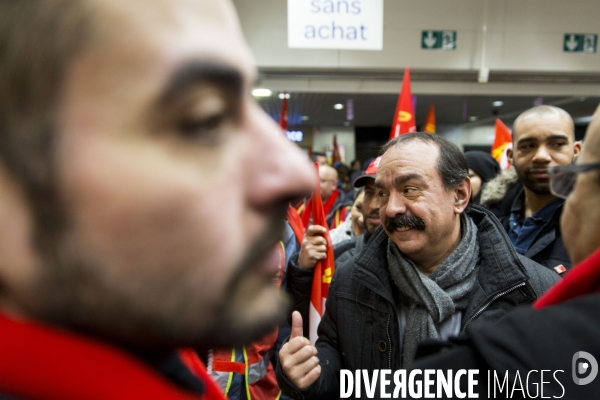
<point x="261" y="92"/>
<point x="472" y="118"/>
<point x="498" y="103"/>
<point x="282" y="95"/>
<point x="338" y="106"/>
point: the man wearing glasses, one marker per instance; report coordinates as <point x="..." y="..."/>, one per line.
<point x="560" y="332"/>
<point x="543" y="137"/>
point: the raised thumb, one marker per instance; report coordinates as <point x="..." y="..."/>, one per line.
<point x="296" y="325"/>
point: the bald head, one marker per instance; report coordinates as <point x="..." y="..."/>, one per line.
<point x="541" y="113"/>
<point x="329" y="181"/>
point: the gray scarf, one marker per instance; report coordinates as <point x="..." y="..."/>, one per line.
<point x="431" y="300"/>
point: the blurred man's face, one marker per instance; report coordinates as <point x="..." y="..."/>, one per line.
<point x="370" y="207"/>
<point x="175" y="181"/>
<point x="356" y="215"/>
<point x="329" y="181"/>
<point x="541" y="141"/>
<point x="580" y="220"/>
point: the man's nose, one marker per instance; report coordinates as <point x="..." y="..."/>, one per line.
<point x="395" y="205"/>
<point x="278" y="171"/>
<point x="542" y="155"/>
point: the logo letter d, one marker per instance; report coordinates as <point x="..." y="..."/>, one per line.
<point x="592" y="362"/>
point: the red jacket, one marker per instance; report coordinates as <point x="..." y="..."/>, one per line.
<point x="41" y="362"/>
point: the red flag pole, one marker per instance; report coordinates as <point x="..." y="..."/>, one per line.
<point x="430" y="122"/>
<point x="404" y="117"/>
<point x="323" y="270"/>
<point x="502" y="142"/>
<point x="336" y="152"/>
<point x="283" y="117"/>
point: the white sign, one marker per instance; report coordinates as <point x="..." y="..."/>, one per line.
<point x="335" y="24"/>
<point x="295" y="136"/>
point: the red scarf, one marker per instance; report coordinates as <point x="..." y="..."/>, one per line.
<point x="41" y="362"/>
<point x="582" y="279"/>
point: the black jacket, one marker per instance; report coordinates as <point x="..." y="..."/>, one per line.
<point x="547" y="248"/>
<point x="299" y="280"/>
<point x="360" y="327"/>
<point x="529" y="340"/>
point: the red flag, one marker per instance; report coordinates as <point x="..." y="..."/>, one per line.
<point x="430" y="122"/>
<point x="283" y="117"/>
<point x="502" y="142"/>
<point x="336" y="152"/>
<point x="404" y="117"/>
<point x="323" y="269"/>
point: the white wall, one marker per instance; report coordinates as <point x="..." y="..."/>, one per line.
<point x="469" y="135"/>
<point x="523" y="35"/>
<point x="345" y="137"/>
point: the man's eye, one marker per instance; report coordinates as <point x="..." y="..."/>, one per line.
<point x="409" y="190"/>
<point x="205" y="130"/>
<point x="558" y="144"/>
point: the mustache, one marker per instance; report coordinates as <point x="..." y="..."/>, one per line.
<point x="536" y="168"/>
<point x="401" y="220"/>
<point x="373" y="214"/>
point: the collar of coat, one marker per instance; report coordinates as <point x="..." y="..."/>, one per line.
<point x="65" y="365"/>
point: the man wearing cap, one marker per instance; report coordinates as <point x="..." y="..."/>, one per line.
<point x="300" y="268"/>
<point x="434" y="269"/>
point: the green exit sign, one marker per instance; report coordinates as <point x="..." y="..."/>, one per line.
<point x="580" y="43"/>
<point x="438" y="40"/>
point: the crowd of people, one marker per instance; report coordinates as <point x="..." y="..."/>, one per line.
<point x="158" y="238"/>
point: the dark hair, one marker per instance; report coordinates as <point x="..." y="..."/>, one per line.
<point x="452" y="164"/>
<point x="38" y="42"/>
<point x="313" y="156"/>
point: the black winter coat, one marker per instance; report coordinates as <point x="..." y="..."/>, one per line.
<point x="360" y="327"/>
<point x="547" y="248"/>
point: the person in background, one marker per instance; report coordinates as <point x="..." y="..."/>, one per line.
<point x="564" y="323"/>
<point x="344" y="182"/>
<point x="356" y="170"/>
<point x="336" y="204"/>
<point x="482" y="169"/>
<point x="143" y="198"/>
<point x="319" y="158"/>
<point x="543" y="137"/>
<point x="432" y="271"/>
<point x="353" y="226"/>
<point x="313" y="248"/>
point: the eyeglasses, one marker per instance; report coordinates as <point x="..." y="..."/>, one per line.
<point x="562" y="179"/>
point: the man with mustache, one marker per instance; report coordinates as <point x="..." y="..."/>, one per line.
<point x="432" y="271"/>
<point x="143" y="196"/>
<point x="543" y="137"/>
<point x="553" y="333"/>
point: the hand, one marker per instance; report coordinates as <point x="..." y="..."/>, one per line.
<point x="298" y="357"/>
<point x="314" y="247"/>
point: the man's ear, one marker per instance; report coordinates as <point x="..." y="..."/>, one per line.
<point x="576" y="148"/>
<point x="509" y="155"/>
<point x="19" y="260"/>
<point x="462" y="195"/>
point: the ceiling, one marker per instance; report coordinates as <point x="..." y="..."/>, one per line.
<point x="378" y="109"/>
